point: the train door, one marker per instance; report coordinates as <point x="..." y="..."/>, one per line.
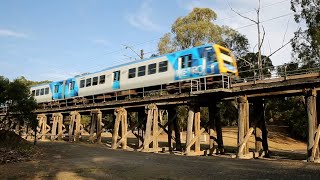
<point x="57" y="90"/>
<point x="71" y="88"/>
<point x="116" y="80"/>
<point x="209" y="61"/>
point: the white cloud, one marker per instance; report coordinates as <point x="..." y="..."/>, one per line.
<point x="142" y="18"/>
<point x="11" y="33"/>
<point x="275" y="29"/>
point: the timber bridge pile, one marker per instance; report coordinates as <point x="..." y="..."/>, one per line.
<point x="64" y="122"/>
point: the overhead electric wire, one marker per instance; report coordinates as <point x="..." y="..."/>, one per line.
<point x="123" y="60"/>
<point x="246" y="12"/>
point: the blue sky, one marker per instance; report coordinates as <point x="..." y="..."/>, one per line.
<point x="52" y="40"/>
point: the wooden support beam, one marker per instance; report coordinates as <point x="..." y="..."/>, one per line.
<point x="148" y="130"/>
<point x="96" y="126"/>
<point x="193" y="120"/>
<point x="75" y="127"/>
<point x="310" y="96"/>
<point x="152" y="119"/>
<point x="57" y="126"/>
<point x="215" y="124"/>
<point x="218" y="129"/>
<point x="189" y="128"/>
<point x="193" y="141"/>
<point x="243" y="123"/>
<point x="155" y="130"/>
<point x="197" y="129"/>
<point x="42" y="124"/>
<point x="121" y="117"/>
<point x="141" y="126"/>
<point x="124" y="127"/>
<point x="176" y="126"/>
<point x="315" y="147"/>
<point x="212" y="144"/>
<point x="54" y="127"/>
<point x="170" y="127"/>
<point x="212" y="114"/>
<point x="261" y="133"/>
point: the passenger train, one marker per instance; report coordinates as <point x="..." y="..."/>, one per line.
<point x="197" y="62"/>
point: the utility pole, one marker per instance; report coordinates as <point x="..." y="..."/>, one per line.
<point x="260" y="42"/>
<point x="139" y="55"/>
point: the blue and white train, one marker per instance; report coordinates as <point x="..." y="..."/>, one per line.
<point x="170" y="68"/>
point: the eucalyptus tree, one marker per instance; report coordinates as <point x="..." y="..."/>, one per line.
<point x="199" y="27"/>
<point x="306" y="43"/>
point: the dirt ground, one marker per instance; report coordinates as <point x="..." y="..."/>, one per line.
<point x="64" y="160"/>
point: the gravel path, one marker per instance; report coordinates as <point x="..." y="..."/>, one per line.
<point x="62" y="160"/>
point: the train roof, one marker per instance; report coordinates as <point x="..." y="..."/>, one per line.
<point x="40" y="85"/>
<point x="129" y="63"/>
<point x="142" y="60"/>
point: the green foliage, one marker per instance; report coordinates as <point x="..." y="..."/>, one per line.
<point x="182" y="116"/>
<point x="20" y="103"/>
<point x="4" y="82"/>
<point x="290" y="111"/>
<point x="228" y="113"/>
<point x="198" y="28"/>
<point x="165" y="44"/>
<point x="85" y="120"/>
<point x="235" y="41"/>
<point x="306" y="43"/>
<point x="31" y="83"/>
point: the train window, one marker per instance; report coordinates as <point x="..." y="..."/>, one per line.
<point x="37" y="92"/>
<point x="88" y="82"/>
<point x="224" y="52"/>
<point x="102" y="79"/>
<point x="82" y="83"/>
<point x="33" y="92"/>
<point x="163" y="66"/>
<point x="116" y="76"/>
<point x="189" y="62"/>
<point x="71" y="85"/>
<point x="183" y="65"/>
<point x="132" y="73"/>
<point x="41" y="92"/>
<point x="94" y="81"/>
<point x="56" y="88"/>
<point x="152" y="68"/>
<point x="210" y="57"/>
<point x="46" y="90"/>
<point x="141" y="71"/>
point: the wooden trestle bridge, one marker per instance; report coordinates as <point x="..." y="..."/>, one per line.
<point x="152" y="109"/>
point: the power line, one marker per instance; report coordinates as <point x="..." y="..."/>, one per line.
<point x="265" y="21"/>
<point x="246" y="12"/>
<point x="155" y="39"/>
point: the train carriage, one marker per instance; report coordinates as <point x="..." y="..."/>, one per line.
<point x="201" y="61"/>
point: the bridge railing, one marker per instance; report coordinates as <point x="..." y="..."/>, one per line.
<point x="273" y="72"/>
